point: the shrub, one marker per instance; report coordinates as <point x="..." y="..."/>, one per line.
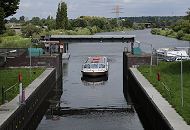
<point x="14" y="41"/>
<point x="180" y="34"/>
<point x="10" y="32"/>
<point x="156" y="31"/>
<point x="186" y="37"/>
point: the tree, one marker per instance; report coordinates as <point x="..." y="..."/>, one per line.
<point x="61" y="17"/>
<point x="30" y="30"/>
<point x="35" y="21"/>
<point x="13" y="20"/>
<point x="22" y="19"/>
<point x="113" y="23"/>
<point x="79" y="22"/>
<point x="183" y="25"/>
<point x="2" y="15"/>
<point x="49" y="17"/>
<point x="7" y="8"/>
<point x="187" y="17"/>
<point x="126" y="23"/>
<point x="50" y="23"/>
<point x="180" y="34"/>
<point x="58" y="17"/>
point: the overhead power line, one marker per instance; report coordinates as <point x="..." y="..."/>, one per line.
<point x="117" y="11"/>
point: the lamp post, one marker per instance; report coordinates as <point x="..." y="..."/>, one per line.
<point x="150" y="59"/>
<point x="151" y="55"/>
<point x="31" y="59"/>
<point x="181" y="82"/>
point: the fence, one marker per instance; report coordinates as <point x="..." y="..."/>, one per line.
<point x="10" y="91"/>
<point x="12" y="52"/>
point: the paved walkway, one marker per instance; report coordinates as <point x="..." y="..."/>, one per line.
<point x="165" y="108"/>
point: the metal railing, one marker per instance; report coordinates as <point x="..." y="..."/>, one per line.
<point x="167" y="90"/>
<point x="4" y="92"/>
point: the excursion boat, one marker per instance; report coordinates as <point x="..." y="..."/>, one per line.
<point x="95" y="66"/>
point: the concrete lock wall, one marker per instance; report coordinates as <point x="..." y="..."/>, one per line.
<point x="130" y="60"/>
<point x="28" y="115"/>
<point x="149" y="114"/>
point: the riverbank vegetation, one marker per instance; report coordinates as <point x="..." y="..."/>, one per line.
<point x="170" y="77"/>
<point x="179" y="30"/>
<point x="9" y="77"/>
<point x="16" y="41"/>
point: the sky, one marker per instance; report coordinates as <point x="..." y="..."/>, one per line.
<point x="105" y="8"/>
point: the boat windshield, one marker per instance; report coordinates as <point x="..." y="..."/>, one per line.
<point x="87" y="66"/>
<point x="101" y="65"/>
<point x="94" y="66"/>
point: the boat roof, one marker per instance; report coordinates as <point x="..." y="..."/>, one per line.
<point x="96" y="59"/>
<point x="92" y="36"/>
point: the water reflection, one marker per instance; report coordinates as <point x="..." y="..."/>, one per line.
<point x="94" y="81"/>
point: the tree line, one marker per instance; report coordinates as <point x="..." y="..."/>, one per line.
<point x="179" y="29"/>
<point x="62" y="25"/>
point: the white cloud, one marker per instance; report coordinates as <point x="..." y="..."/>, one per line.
<point x="127" y="1"/>
<point x="31" y="8"/>
<point x="25" y="5"/>
<point x="153" y="1"/>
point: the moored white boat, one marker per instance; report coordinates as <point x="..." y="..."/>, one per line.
<point x="169" y="53"/>
<point x="95" y="66"/>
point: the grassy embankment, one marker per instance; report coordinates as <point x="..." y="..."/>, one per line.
<point x="9" y="77"/>
<point x="171" y="33"/>
<point x="14" y="42"/>
<point x="170" y="76"/>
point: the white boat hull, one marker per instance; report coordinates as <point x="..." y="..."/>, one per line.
<point x="95" y="74"/>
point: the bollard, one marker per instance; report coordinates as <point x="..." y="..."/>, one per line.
<point x="23" y="96"/>
<point x="158" y="76"/>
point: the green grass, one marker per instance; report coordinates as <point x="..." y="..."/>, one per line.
<point x="170" y="76"/>
<point x="14" y="42"/>
<point x="9" y="77"/>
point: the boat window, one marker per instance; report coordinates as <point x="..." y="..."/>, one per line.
<point x="87" y="66"/>
<point x="101" y="65"/>
<point x="94" y="66"/>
